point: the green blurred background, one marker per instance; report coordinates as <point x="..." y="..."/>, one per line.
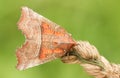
<point x="97" y="21"/>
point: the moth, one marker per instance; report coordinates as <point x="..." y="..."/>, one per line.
<point x="45" y="40"/>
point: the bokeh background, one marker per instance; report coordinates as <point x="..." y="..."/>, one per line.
<point x="96" y="21"/>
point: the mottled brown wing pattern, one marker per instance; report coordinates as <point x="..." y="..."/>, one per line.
<point x="44" y="42"/>
<point x="55" y="40"/>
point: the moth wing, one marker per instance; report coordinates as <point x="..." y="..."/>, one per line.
<point x="45" y="40"/>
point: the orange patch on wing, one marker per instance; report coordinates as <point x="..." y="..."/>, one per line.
<point x="59" y="34"/>
<point x="48" y="31"/>
<point x="57" y="50"/>
<point x="45" y="52"/>
<point x="45" y="25"/>
<point x="46" y="28"/>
